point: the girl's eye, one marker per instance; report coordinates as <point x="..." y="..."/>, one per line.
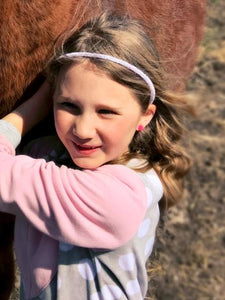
<point x="107" y="112"/>
<point x="71" y="106"/>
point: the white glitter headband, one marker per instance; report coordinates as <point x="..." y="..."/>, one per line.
<point x="118" y="61"/>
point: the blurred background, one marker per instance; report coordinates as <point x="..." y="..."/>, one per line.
<point x="189" y="257"/>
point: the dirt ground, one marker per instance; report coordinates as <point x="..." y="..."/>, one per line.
<point x="188" y="262"/>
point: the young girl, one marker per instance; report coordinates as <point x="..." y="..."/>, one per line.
<point x="86" y="202"/>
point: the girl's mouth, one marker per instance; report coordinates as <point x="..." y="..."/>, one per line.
<point x="85" y="149"/>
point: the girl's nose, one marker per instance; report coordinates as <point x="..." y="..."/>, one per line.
<point x="84" y="128"/>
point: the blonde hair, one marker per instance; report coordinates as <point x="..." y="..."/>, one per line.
<point x="125" y="38"/>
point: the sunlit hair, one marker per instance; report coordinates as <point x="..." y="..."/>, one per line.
<point x="125" y="38"/>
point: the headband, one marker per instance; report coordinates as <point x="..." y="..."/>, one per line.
<point x="118" y="61"/>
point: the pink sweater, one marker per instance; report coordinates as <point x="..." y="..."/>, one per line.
<point x="101" y="208"/>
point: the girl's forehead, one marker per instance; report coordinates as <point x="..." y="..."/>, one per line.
<point x="84" y="65"/>
<point x="81" y="69"/>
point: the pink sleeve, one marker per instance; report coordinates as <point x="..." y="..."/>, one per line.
<point x="100" y="208"/>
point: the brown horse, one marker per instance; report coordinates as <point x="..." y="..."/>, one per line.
<point x="28" y="33"/>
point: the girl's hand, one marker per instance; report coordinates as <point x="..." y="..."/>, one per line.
<point x="32" y="111"/>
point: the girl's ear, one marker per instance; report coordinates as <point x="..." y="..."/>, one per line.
<point x="147" y="116"/>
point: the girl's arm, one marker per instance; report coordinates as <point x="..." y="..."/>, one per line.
<point x="32" y="111"/>
<point x="100" y="208"/>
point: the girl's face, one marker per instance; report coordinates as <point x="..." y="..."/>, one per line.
<point x="95" y="117"/>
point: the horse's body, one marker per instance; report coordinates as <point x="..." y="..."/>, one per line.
<point x="29" y="30"/>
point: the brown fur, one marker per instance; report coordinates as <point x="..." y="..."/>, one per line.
<point x="29" y="30"/>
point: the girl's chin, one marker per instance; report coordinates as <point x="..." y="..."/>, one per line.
<point x="85" y="163"/>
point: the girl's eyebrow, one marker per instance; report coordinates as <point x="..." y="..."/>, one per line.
<point x="101" y="105"/>
<point x="110" y="107"/>
<point x="61" y="97"/>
